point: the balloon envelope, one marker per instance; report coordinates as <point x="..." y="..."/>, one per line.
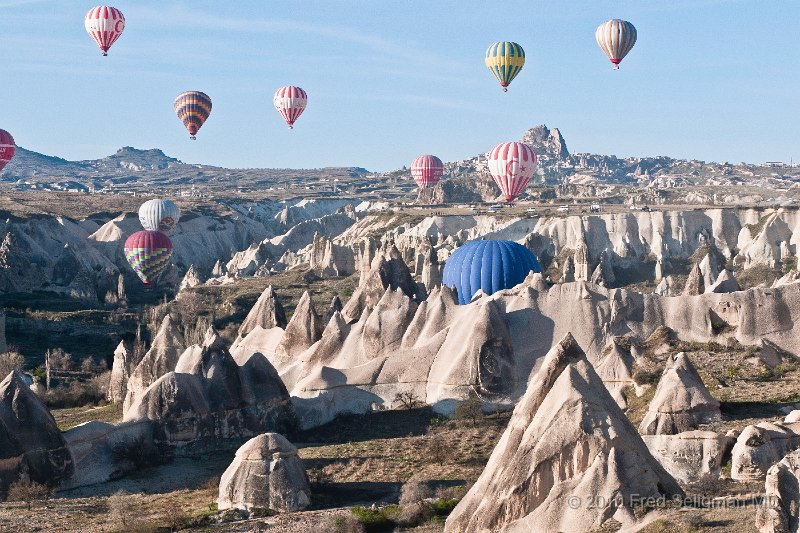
<point x="505" y="59"/>
<point x="616" y="38"/>
<point x="512" y="165"/>
<point x="427" y="170"/>
<point x="159" y="215"/>
<point x="290" y="101"/>
<point x="7" y="148"/>
<point x="148" y="253"/>
<point x="193" y="108"/>
<point x="104" y="24"/>
<point x="487" y="265"/>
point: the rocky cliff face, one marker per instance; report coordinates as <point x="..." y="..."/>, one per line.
<point x="31" y="445"/>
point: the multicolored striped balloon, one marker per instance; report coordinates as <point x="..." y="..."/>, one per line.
<point x="505" y="59"/>
<point x="512" y="166"/>
<point x="616" y="38"/>
<point x="149" y="253"/>
<point x="104" y="24"/>
<point x="7" y="148"/>
<point x="290" y="101"/>
<point x="193" y="108"/>
<point x="427" y="170"/>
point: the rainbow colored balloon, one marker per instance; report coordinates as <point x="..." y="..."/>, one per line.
<point x="148" y="253"/>
<point x="193" y="108"/>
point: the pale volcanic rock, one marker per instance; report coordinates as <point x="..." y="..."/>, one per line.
<point x="616" y="371"/>
<point x="31" y="445"/>
<point x="388" y="270"/>
<point x="265" y="474"/>
<point x="759" y="447"/>
<point x="210" y="401"/>
<point x="725" y="283"/>
<point x="267" y="313"/>
<point x="329" y="259"/>
<point x="690" y="455"/>
<point x="566" y="442"/>
<point x="694" y="283"/>
<point x="163" y="355"/>
<point x="191" y="279"/>
<point x="681" y="402"/>
<point x="780" y="512"/>
<point x="303" y="330"/>
<point x="603" y="275"/>
<point x="120" y="372"/>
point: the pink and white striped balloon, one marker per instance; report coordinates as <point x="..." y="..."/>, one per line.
<point x="427" y="170"/>
<point x="512" y="166"/>
<point x="290" y="101"/>
<point x="7" y="148"/>
<point x="104" y="24"/>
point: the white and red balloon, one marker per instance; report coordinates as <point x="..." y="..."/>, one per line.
<point x="512" y="165"/>
<point x="290" y="101"/>
<point x="427" y="170"/>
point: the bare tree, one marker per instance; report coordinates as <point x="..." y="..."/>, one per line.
<point x="9" y="362"/>
<point x="28" y="492"/>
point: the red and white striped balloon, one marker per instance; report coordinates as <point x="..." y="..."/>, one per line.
<point x="290" y="101"/>
<point x="104" y="24"/>
<point x="512" y="166"/>
<point x="427" y="170"/>
<point x="7" y="148"/>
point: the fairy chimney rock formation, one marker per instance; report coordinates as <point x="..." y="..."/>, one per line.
<point x="567" y="444"/>
<point x="267" y="313"/>
<point x="303" y="330"/>
<point x="681" y="402"/>
<point x="163" y="355"/>
<point x="31" y="445"/>
<point x="265" y="474"/>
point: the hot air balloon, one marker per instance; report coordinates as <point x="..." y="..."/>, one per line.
<point x="159" y="215"/>
<point x="616" y="38"/>
<point x="104" y="24"/>
<point x="487" y="265"/>
<point x="149" y="253"/>
<point x="7" y="148"/>
<point x="427" y="170"/>
<point x="290" y="101"/>
<point x="193" y="108"/>
<point x="512" y="166"/>
<point x="505" y="59"/>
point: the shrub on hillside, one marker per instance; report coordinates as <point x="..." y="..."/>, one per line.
<point x="10" y="361"/>
<point x="28" y="492"/>
<point x="470" y="409"/>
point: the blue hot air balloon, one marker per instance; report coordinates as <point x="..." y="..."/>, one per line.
<point x="488" y="265"/>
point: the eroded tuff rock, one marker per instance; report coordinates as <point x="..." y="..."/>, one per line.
<point x="690" y="455"/>
<point x="681" y="402"/>
<point x="759" y="447"/>
<point x="303" y="330"/>
<point x="120" y="372"/>
<point x="213" y="401"/>
<point x="328" y="259"/>
<point x="191" y="279"/>
<point x="725" y="283"/>
<point x="780" y="512"/>
<point x="265" y="474"/>
<point x="694" y="283"/>
<point x="31" y="445"/>
<point x="567" y="441"/>
<point x="163" y="355"/>
<point x="388" y="270"/>
<point x="267" y="313"/>
<point x="616" y="371"/>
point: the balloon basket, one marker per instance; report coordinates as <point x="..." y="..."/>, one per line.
<point x="192" y="137"/>
<point x="105" y="54"/>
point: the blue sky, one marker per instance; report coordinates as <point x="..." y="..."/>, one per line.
<point x="389" y="80"/>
